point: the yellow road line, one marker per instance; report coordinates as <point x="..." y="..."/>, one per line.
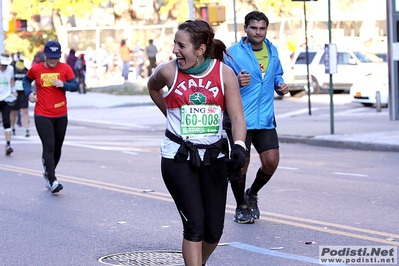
<point x="265" y="216"/>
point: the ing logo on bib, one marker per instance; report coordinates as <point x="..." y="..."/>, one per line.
<point x="49" y="78"/>
<point x="198" y="98"/>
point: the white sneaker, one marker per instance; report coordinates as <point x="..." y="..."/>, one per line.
<point x="56" y="187"/>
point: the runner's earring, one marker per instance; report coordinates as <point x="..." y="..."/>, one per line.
<point x="197" y="58"/>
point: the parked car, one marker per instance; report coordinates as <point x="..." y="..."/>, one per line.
<point x="285" y="60"/>
<point x="352" y="66"/>
<point x="365" y="90"/>
<point x="383" y="56"/>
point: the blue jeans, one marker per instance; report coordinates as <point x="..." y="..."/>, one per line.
<point x="125" y="70"/>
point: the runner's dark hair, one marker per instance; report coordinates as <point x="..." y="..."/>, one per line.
<point x="202" y="33"/>
<point x="256" y="15"/>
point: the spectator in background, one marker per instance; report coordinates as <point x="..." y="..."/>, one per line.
<point x="151" y="51"/>
<point x="71" y="58"/>
<point x="126" y="57"/>
<point x="39" y="56"/>
<point x="22" y="103"/>
<point x="139" y="63"/>
<point x="80" y="72"/>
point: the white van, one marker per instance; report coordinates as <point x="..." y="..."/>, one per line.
<point x="352" y="66"/>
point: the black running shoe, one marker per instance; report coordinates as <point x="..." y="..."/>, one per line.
<point x="252" y="201"/>
<point x="9" y="150"/>
<point x="242" y="215"/>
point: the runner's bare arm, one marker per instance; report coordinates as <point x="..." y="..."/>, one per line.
<point x="162" y="76"/>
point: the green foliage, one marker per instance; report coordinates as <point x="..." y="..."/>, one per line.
<point x="283" y="7"/>
<point x="286" y="8"/>
<point x="27" y="43"/>
<point x="14" y="43"/>
<point x="171" y="5"/>
<point x="25" y="9"/>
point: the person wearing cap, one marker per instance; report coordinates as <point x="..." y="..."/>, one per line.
<point x="53" y="78"/>
<point x="22" y="103"/>
<point x="7" y="97"/>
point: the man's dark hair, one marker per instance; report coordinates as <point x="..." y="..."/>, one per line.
<point x="256" y="15"/>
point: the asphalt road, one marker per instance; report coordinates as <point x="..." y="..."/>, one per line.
<point x="114" y="201"/>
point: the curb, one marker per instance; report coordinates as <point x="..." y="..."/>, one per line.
<point x="354" y="145"/>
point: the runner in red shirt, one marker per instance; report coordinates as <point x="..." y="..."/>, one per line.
<point x="52" y="79"/>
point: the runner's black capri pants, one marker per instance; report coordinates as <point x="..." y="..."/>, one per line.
<point x="200" y="197"/>
<point x="5" y="112"/>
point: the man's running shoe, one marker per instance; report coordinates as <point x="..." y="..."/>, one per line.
<point x="252" y="201"/>
<point x="13" y="131"/>
<point x="56" y="187"/>
<point x="242" y="215"/>
<point x="27" y="134"/>
<point x="9" y="150"/>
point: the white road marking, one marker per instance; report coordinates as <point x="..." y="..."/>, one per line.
<point x="350" y="174"/>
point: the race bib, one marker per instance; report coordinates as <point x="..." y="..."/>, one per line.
<point x="48" y="79"/>
<point x="18" y="85"/>
<point x="200" y="119"/>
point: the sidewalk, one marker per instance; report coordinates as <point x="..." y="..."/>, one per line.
<point x="354" y="131"/>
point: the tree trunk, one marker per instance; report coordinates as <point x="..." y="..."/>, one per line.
<point x="60" y="29"/>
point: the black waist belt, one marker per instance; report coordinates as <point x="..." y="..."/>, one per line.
<point x="212" y="151"/>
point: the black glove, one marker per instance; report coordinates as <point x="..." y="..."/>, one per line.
<point x="237" y="155"/>
<point x="232" y="174"/>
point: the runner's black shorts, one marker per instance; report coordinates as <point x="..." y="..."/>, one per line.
<point x="21" y="102"/>
<point x="262" y="139"/>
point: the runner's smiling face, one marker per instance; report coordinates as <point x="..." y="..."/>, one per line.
<point x="52" y="62"/>
<point x="184" y="50"/>
<point x="256" y="33"/>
